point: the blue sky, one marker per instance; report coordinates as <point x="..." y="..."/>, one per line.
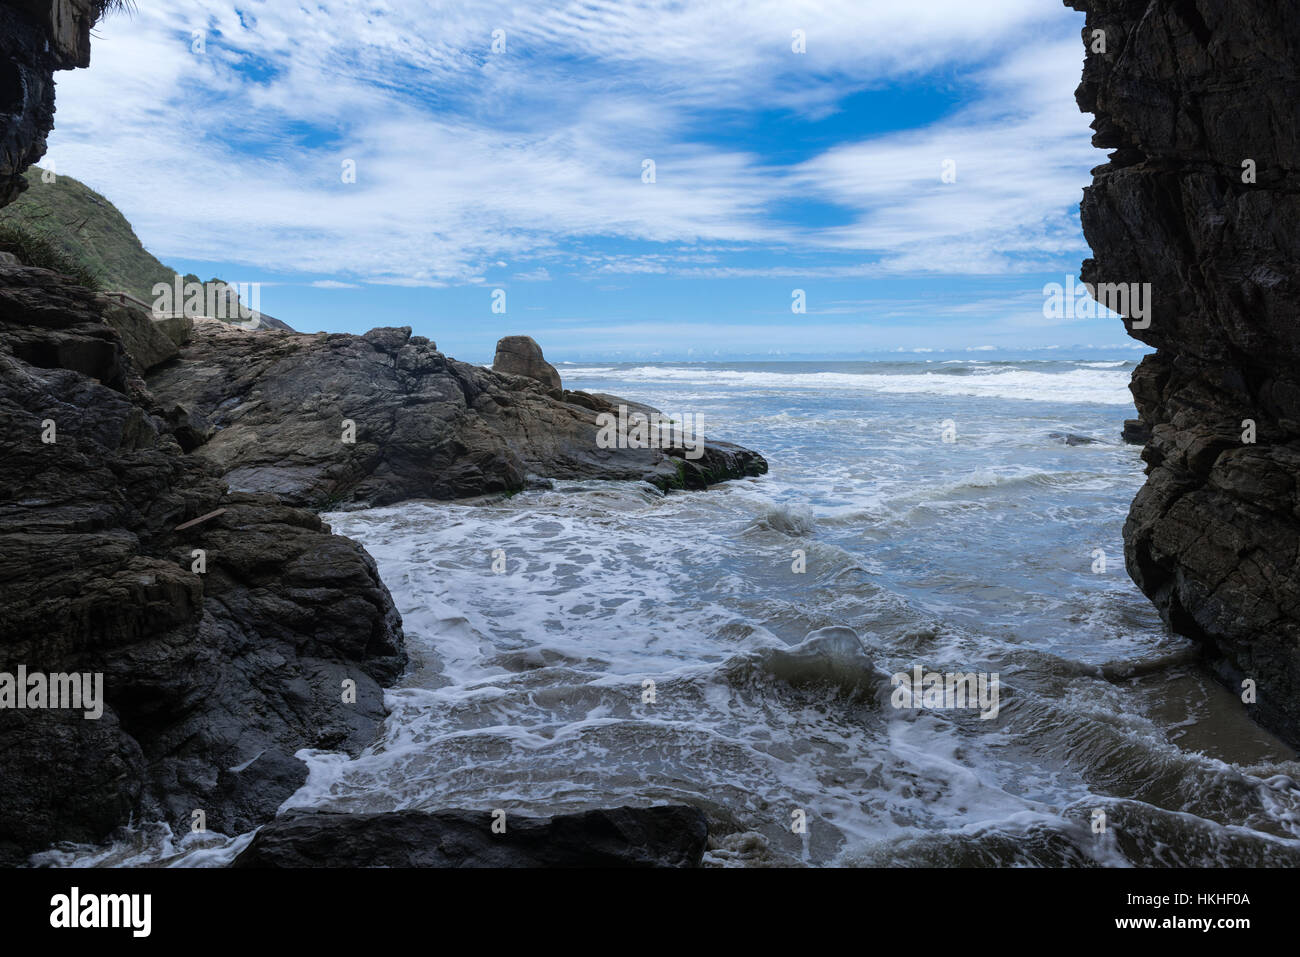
<point x="522" y="169"/>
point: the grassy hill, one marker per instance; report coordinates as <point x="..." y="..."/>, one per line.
<point x="67" y="226"/>
<point x="87" y="229"/>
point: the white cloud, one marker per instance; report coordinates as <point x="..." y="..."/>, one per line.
<point x="465" y="158"/>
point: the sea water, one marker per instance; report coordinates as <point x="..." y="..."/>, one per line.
<point x="733" y="648"/>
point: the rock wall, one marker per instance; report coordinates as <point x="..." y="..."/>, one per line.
<point x="37" y="37"/>
<point x="213" y="674"/>
<point x="1200" y="102"/>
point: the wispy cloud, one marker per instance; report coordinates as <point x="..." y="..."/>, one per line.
<point x="464" y="157"/>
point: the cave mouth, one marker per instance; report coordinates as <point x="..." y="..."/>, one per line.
<point x="11" y="88"/>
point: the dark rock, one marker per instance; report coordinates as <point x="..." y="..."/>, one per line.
<point x="668" y="836"/>
<point x="1135" y="432"/>
<point x="426" y="426"/>
<point x="211" y="679"/>
<point x="718" y="462"/>
<point x="190" y="429"/>
<point x="520" y="355"/>
<point x="52" y="324"/>
<point x="1070" y="438"/>
<point x="253" y="791"/>
<point x="389" y="340"/>
<point x="1191" y="95"/>
<point x="37" y="37"/>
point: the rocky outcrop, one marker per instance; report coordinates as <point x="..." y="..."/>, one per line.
<point x="37" y="37"/>
<point x="232" y="629"/>
<point x="330" y="420"/>
<point x="224" y="626"/>
<point x="668" y="836"/>
<point x="1201" y="199"/>
<point x="520" y="355"/>
<point x="66" y="25"/>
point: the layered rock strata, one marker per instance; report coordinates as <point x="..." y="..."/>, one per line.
<point x="1200" y="202"/>
<point x="223" y="643"/>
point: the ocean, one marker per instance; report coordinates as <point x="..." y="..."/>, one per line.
<point x="734" y="648"/>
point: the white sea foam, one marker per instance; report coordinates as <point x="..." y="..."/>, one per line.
<point x="526" y="689"/>
<point x="1075" y="385"/>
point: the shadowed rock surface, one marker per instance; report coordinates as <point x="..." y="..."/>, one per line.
<point x="669" y="836"/>
<point x="1194" y="97"/>
<point x="426" y="425"/>
<point x="37" y="37"/>
<point x="212" y="680"/>
<point x="1070" y="438"/>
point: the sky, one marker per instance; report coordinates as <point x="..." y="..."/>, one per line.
<point x="909" y="172"/>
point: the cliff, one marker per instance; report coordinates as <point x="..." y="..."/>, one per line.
<point x="1201" y="199"/>
<point x="223" y="644"/>
<point x="37" y="37"/>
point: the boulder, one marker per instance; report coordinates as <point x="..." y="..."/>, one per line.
<point x="1135" y="432"/>
<point x="1071" y="438"/>
<point x="520" y="355"/>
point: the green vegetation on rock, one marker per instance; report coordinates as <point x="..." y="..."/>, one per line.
<point x="36" y="250"/>
<point x="66" y="226"/>
<point x="86" y="233"/>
